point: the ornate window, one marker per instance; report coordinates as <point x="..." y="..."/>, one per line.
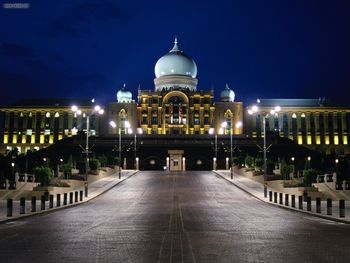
<point x="122" y="121"/>
<point x="228" y="119"/>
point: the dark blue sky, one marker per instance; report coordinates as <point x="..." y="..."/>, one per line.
<point x="271" y="49"/>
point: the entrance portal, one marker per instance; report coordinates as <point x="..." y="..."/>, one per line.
<point x="176" y="162"/>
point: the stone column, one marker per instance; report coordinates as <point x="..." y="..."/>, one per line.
<point x="290" y="128"/>
<point x="308" y="129"/>
<point x="317" y="126"/>
<point x="137" y="163"/>
<point x="326" y="128"/>
<point x="344" y="127"/>
<point x="299" y="126"/>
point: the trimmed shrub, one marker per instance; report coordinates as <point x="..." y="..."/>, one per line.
<point x="238" y="160"/>
<point x="249" y="161"/>
<point x="94" y="164"/>
<point x="286" y="169"/>
<point x="309" y="177"/>
<point x="81" y="166"/>
<point x="259" y="163"/>
<point x="43" y="175"/>
<point x="103" y="160"/>
<point x="67" y="168"/>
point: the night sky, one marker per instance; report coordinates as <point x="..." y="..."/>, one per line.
<point x="262" y="49"/>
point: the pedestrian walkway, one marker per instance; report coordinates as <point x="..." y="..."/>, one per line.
<point x="256" y="189"/>
<point x="95" y="189"/>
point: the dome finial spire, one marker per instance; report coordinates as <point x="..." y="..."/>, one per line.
<point x="175" y="47"/>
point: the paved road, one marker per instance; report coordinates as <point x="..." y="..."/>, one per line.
<point x="192" y="217"/>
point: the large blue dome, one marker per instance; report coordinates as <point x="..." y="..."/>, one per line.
<point x="227" y="95"/>
<point x="124" y="95"/>
<point x="175" y="63"/>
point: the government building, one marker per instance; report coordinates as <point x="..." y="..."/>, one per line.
<point x="176" y="109"/>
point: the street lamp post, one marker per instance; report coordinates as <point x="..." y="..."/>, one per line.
<point x="293" y="159"/>
<point x="138" y="131"/>
<point x="114" y="125"/>
<point x="120" y="154"/>
<point x="253" y="110"/>
<point x="238" y="125"/>
<point x="135" y="140"/>
<point x="97" y="109"/>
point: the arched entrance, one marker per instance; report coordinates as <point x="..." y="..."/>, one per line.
<point x="176" y="114"/>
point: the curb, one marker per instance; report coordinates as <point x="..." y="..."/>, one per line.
<point x="51" y="210"/>
<point x="282" y="206"/>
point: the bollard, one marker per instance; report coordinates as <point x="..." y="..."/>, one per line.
<point x="341" y="208"/>
<point x="58" y="200"/>
<point x="43" y="202"/>
<point x="65" y="199"/>
<point x="51" y="201"/>
<point x="308" y="201"/>
<point x="275" y="197"/>
<point x="87" y="189"/>
<point x="22" y="206"/>
<point x="329" y="206"/>
<point x="76" y="197"/>
<point x="286" y="199"/>
<point x="71" y="198"/>
<point x="33" y="208"/>
<point x="81" y="195"/>
<point x="293" y="201"/>
<point x="270" y="196"/>
<point x="300" y="202"/>
<point x="281" y="198"/>
<point x="9" y="207"/>
<point x="318" y="205"/>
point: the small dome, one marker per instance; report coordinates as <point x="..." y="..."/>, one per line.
<point x="124" y="95"/>
<point x="175" y="63"/>
<point x="227" y="95"/>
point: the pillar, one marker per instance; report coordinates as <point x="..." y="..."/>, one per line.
<point x="227" y="163"/>
<point x="124" y="165"/>
<point x="168" y="163"/>
<point x="183" y="164"/>
<point x="290" y="129"/>
<point x="214" y="163"/>
<point x="137" y="166"/>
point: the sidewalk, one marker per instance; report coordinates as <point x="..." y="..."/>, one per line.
<point x="95" y="189"/>
<point x="256" y="189"/>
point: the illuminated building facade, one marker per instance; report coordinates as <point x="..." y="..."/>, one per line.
<point x="175" y="108"/>
<point x="311" y="123"/>
<point x="34" y="124"/>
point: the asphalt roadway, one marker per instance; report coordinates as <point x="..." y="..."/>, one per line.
<point x="174" y="217"/>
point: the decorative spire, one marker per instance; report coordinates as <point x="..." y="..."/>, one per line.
<point x="175" y="47"/>
<point x="227" y="87"/>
